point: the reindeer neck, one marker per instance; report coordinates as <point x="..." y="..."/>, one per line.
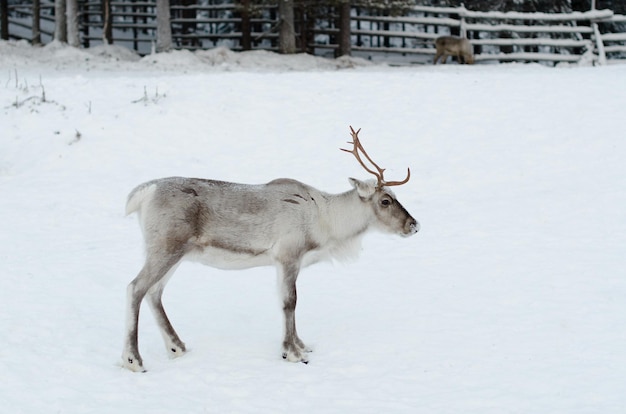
<point x="350" y="216"/>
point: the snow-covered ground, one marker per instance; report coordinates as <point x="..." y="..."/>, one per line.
<point x="511" y="299"/>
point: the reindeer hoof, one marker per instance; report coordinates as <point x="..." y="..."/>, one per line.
<point x="133" y="364"/>
<point x="295" y="351"/>
<point x="295" y="357"/>
<point x="176" y="350"/>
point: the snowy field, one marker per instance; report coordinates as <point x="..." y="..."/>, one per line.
<point x="511" y="299"/>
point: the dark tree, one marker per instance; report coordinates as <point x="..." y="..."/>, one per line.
<point x="4" y="19"/>
<point x="345" y="42"/>
<point x="188" y="15"/>
<point x="107" y="21"/>
<point x="246" y="27"/>
<point x="36" y="38"/>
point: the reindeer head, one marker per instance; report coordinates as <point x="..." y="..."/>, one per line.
<point x="391" y="215"/>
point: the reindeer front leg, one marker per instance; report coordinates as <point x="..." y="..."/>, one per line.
<point x="294" y="349"/>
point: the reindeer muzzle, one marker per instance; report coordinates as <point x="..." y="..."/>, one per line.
<point x="411" y="227"/>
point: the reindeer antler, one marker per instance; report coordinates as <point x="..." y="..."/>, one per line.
<point x="379" y="175"/>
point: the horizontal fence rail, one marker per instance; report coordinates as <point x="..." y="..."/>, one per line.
<point x="550" y="38"/>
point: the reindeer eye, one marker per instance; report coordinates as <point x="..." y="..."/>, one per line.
<point x="385" y="202"/>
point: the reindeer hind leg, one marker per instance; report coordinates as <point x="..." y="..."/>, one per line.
<point x="174" y="346"/>
<point x="153" y="271"/>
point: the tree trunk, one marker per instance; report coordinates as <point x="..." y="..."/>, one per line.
<point x="107" y="19"/>
<point x="287" y="35"/>
<point x="246" y="28"/>
<point x="345" y="43"/>
<point x="36" y="38"/>
<point x="164" y="27"/>
<point x="304" y="30"/>
<point x="73" y="38"/>
<point x="189" y="26"/>
<point x="4" y="19"/>
<point x="60" y="20"/>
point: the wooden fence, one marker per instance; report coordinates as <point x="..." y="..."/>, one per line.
<point x="595" y="35"/>
<point x="496" y="36"/>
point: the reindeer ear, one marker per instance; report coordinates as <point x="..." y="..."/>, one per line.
<point x="365" y="188"/>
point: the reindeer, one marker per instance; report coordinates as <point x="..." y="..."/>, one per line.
<point x="454" y="46"/>
<point x="283" y="223"/>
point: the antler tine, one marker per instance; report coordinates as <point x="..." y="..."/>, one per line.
<point x="356" y="135"/>
<point x="355" y="151"/>
<point x="392" y="183"/>
<point x="379" y="175"/>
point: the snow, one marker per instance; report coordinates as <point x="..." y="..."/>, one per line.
<point x="509" y="300"/>
<point x="588" y="15"/>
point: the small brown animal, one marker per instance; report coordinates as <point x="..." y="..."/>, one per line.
<point x="454" y="46"/>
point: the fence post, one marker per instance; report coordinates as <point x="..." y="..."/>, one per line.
<point x="462" y="14"/>
<point x="599" y="44"/>
<point x="598" y="36"/>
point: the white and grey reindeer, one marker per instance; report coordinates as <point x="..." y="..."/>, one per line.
<point x="283" y="223"/>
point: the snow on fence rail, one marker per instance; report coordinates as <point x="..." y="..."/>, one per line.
<point x="496" y="36"/>
<point x="567" y="41"/>
<point x="595" y="35"/>
<point x="611" y="43"/>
